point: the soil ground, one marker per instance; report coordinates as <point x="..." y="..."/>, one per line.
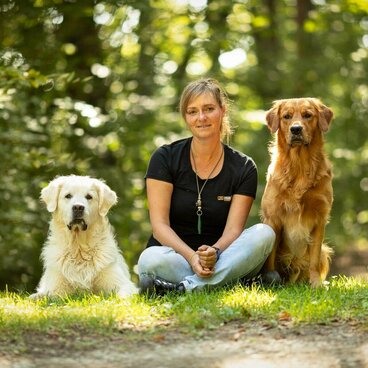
<point x="237" y="344"/>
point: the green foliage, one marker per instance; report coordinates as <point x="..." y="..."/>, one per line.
<point x="92" y="88"/>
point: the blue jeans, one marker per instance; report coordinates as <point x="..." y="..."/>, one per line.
<point x="243" y="258"/>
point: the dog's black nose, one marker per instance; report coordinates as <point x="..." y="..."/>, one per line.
<point x="78" y="209"/>
<point x="296" y="129"/>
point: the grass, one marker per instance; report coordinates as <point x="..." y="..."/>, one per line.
<point x="343" y="299"/>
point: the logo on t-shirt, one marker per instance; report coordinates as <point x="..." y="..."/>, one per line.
<point x="224" y="198"/>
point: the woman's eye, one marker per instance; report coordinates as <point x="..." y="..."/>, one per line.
<point x="209" y="109"/>
<point x="191" y="112"/>
<point x="88" y="196"/>
<point x="68" y="196"/>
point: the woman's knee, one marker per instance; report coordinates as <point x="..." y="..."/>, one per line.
<point x="163" y="262"/>
<point x="261" y="236"/>
<point x="150" y="260"/>
<point x="267" y="235"/>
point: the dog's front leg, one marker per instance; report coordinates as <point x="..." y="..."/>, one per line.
<point x="271" y="217"/>
<point x="270" y="264"/>
<point x="52" y="283"/>
<point x="115" y="278"/>
<point x="315" y="255"/>
<point x="270" y="274"/>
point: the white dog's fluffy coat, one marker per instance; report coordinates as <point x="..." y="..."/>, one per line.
<point x="80" y="252"/>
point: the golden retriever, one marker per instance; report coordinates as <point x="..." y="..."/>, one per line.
<point x="80" y="252"/>
<point x="298" y="194"/>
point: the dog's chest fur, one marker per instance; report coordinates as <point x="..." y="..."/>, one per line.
<point x="301" y="203"/>
<point x="80" y="264"/>
<point x="80" y="257"/>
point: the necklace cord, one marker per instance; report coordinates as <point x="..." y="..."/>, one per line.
<point x="199" y="191"/>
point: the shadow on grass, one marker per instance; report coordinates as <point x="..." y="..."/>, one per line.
<point x="90" y="319"/>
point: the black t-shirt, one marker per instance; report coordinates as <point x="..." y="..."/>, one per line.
<point x="171" y="163"/>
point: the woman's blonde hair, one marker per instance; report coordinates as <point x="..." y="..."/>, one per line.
<point x="208" y="85"/>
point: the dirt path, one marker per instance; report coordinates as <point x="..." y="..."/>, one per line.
<point x="235" y="345"/>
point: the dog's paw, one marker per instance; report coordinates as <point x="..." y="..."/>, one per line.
<point x="127" y="293"/>
<point x="36" y="296"/>
<point x="315" y="280"/>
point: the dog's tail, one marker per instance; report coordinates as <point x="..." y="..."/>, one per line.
<point x="326" y="253"/>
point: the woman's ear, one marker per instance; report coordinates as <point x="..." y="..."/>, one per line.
<point x="224" y="110"/>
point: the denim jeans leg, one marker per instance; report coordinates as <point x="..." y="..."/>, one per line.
<point x="243" y="258"/>
<point x="164" y="262"/>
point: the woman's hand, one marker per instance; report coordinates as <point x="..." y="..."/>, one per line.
<point x="198" y="269"/>
<point x="207" y="256"/>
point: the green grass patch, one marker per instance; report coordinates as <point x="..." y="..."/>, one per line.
<point x="342" y="299"/>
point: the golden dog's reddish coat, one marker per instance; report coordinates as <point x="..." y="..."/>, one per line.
<point x="298" y="195"/>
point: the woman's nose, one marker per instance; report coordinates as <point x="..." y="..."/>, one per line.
<point x="201" y="115"/>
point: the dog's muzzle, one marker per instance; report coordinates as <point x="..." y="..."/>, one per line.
<point x="296" y="135"/>
<point x="79" y="223"/>
<point x="77" y="218"/>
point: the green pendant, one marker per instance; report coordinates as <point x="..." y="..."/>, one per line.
<point x="199" y="225"/>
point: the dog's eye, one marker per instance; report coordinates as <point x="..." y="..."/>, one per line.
<point x="88" y="196"/>
<point x="307" y="115"/>
<point x="287" y="116"/>
<point x="68" y="196"/>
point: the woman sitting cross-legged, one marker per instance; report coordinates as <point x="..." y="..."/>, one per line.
<point x="200" y="192"/>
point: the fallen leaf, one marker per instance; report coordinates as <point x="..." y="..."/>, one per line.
<point x="284" y="316"/>
<point x="159" y="338"/>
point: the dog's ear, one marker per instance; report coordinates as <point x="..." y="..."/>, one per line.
<point x="325" y="117"/>
<point x="106" y="198"/>
<point x="272" y="117"/>
<point x="50" y="194"/>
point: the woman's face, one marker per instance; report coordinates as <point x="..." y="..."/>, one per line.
<point x="204" y="116"/>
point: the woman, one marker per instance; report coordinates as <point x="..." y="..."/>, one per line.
<point x="200" y="192"/>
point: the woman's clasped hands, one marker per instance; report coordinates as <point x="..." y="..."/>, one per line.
<point x="203" y="261"/>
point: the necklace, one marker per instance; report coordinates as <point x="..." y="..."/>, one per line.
<point x="199" y="191"/>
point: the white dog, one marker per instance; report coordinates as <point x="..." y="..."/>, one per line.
<point x="80" y="252"/>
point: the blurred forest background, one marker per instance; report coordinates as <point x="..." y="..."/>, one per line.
<point x="92" y="88"/>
